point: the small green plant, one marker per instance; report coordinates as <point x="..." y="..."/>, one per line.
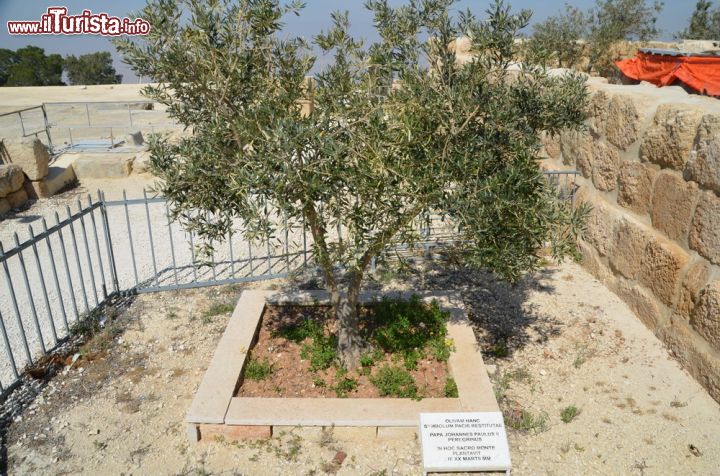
<point x="321" y="351"/>
<point x="579" y="361"/>
<point x="345" y="385"/>
<point x="569" y="413"/>
<point x="501" y="386"/>
<point x="258" y="369"/>
<point x="307" y="329"/>
<point x="218" y="309"/>
<point x="319" y="382"/>
<point x="527" y="421"/>
<point x="99" y="445"/>
<point x="500" y="350"/>
<point x="395" y="382"/>
<point x="451" y="390"/>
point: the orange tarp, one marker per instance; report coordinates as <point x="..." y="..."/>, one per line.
<point x="702" y="73"/>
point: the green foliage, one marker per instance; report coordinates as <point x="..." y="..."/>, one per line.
<point x="409" y="327"/>
<point x="451" y="390"/>
<point x="557" y="40"/>
<point x="394" y="382"/>
<point x="525" y="420"/>
<point x="258" y="369"/>
<point x="569" y="413"/>
<point x="320" y="351"/>
<point x="92" y="68"/>
<point x="612" y="21"/>
<point x="308" y="328"/>
<point x="398" y="128"/>
<point x="704" y="23"/>
<point x="30" y="66"/>
<point x="344" y="384"/>
<point x="218" y="308"/>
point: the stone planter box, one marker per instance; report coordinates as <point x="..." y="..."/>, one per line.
<point x="215" y="411"/>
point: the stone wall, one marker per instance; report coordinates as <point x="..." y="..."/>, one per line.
<point x="650" y="165"/>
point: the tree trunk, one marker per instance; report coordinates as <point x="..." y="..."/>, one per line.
<point x="350" y="342"/>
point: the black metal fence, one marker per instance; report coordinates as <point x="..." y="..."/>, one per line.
<point x="66" y="269"/>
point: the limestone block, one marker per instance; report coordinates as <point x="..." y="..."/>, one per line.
<point x="4" y="206"/>
<point x="706" y="316"/>
<point x="598" y="113"/>
<point x="141" y="164"/>
<point x="694" y="354"/>
<point x="704" y="234"/>
<point x="642" y="303"/>
<point x="662" y="262"/>
<point x="672" y="205"/>
<point x="591" y="261"/>
<point x="38" y="189"/>
<point x="397" y="433"/>
<point x="629" y="248"/>
<point x="669" y="141"/>
<point x="17" y="199"/>
<point x="31" y="155"/>
<point x="704" y="166"/>
<point x="576" y="149"/>
<point x="692" y="284"/>
<point x="96" y="166"/>
<point x="552" y="145"/>
<point x="606" y="163"/>
<point x="212" y="432"/>
<point x="635" y="185"/>
<point x="602" y="222"/>
<point x="623" y="121"/>
<point x="11" y="179"/>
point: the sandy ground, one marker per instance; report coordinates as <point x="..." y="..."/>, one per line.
<point x="12" y="99"/>
<point x="556" y="340"/>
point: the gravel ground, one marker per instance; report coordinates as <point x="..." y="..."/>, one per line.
<point x="557" y="340"/>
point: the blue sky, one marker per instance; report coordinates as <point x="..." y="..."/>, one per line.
<point x="673" y="18"/>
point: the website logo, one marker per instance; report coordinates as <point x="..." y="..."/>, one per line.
<point x="57" y="22"/>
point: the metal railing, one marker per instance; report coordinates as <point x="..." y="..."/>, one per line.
<point x="66" y="269"/>
<point x="26" y="122"/>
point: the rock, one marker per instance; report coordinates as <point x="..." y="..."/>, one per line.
<point x="141" y="164"/>
<point x="598" y="113"/>
<point x="704" y="234"/>
<point x="552" y="145"/>
<point x="695" y="354"/>
<point x="31" y="155"/>
<point x="11" y="179"/>
<point x="631" y="240"/>
<point x="576" y="148"/>
<point x="622" y="124"/>
<point x="602" y="222"/>
<point x="37" y="189"/>
<point x="672" y="205"/>
<point x="692" y="284"/>
<point x="660" y="269"/>
<point x="706" y="316"/>
<point x="112" y="165"/>
<point x="134" y="139"/>
<point x="605" y="166"/>
<point x="17" y="199"/>
<point x="669" y="141"/>
<point x="704" y="166"/>
<point x="4" y="206"/>
<point x="642" y="303"/>
<point x="635" y="184"/>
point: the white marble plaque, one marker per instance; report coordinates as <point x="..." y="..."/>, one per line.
<point x="464" y="442"/>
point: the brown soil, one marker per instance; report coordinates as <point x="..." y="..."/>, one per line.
<point x="292" y="376"/>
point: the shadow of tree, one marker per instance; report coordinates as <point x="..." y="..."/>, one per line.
<point x="503" y="318"/>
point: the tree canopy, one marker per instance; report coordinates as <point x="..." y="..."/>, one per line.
<point x="92" y="68"/>
<point x="398" y="128"/>
<point x="704" y="23"/>
<point x="30" y="66"/>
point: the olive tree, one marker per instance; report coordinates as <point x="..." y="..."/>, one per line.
<point x="559" y="39"/>
<point x="398" y="128"/>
